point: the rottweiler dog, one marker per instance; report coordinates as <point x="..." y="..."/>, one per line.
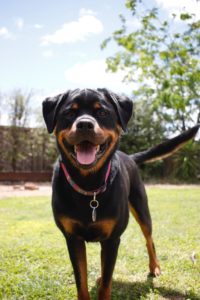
<point x="95" y="185"/>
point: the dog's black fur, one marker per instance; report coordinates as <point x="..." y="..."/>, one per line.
<point x="87" y="125"/>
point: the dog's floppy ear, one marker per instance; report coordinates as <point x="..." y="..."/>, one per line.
<point x="50" y="109"/>
<point x="123" y="106"/>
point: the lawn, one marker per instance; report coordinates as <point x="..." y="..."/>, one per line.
<point x="34" y="263"/>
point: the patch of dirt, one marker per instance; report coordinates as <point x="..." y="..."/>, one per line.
<point x="20" y="190"/>
<point x="44" y="189"/>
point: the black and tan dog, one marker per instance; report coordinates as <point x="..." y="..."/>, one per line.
<point x="94" y="184"/>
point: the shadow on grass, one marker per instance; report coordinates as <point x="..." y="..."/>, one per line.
<point x="143" y="290"/>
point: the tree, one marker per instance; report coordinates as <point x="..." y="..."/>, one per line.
<point x="24" y="148"/>
<point x="19" y="112"/>
<point x="19" y="108"/>
<point x="163" y="61"/>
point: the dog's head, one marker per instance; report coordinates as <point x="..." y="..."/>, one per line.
<point x="87" y="124"/>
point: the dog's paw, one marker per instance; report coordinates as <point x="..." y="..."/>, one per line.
<point x="98" y="281"/>
<point x="155" y="271"/>
<point x="104" y="294"/>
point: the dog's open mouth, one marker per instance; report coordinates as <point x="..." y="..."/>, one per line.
<point x="86" y="153"/>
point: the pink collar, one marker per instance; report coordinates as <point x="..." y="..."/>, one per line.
<point x="79" y="189"/>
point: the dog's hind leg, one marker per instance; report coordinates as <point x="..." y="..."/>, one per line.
<point x="147" y="231"/>
<point x="77" y="253"/>
<point x="139" y="208"/>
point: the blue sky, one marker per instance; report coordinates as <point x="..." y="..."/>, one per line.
<point x="43" y="42"/>
<point x="52" y="46"/>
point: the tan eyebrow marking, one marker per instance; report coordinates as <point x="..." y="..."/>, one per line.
<point x="97" y="105"/>
<point x="74" y="106"/>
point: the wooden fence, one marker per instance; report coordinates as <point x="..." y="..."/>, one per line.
<point x="26" y="150"/>
<point x="25" y="176"/>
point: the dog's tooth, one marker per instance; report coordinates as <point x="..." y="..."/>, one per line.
<point x="75" y="149"/>
<point x="98" y="148"/>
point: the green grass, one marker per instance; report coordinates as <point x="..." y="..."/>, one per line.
<point x="34" y="263"/>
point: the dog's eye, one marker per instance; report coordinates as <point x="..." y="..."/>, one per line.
<point x="69" y="113"/>
<point x="102" y="112"/>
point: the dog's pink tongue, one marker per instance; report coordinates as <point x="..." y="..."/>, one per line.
<point x="86" y="153"/>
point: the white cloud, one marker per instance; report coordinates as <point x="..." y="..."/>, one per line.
<point x="92" y="74"/>
<point x="178" y="6"/>
<point x="3" y="119"/>
<point x="84" y="11"/>
<point x="19" y="23"/>
<point x="4" y="33"/>
<point x="38" y="26"/>
<point x="47" y="53"/>
<point x="72" y="32"/>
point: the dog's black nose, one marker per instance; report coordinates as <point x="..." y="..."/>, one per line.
<point x="85" y="125"/>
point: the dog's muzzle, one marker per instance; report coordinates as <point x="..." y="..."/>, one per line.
<point x="87" y="138"/>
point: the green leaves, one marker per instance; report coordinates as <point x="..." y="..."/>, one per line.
<point x="159" y="54"/>
<point x="163" y="59"/>
<point x="105" y="43"/>
<point x="185" y="16"/>
<point x="132" y="4"/>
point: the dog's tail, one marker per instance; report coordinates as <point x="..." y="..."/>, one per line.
<point x="166" y="148"/>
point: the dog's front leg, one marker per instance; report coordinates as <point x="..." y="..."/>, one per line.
<point x="109" y="249"/>
<point x="77" y="253"/>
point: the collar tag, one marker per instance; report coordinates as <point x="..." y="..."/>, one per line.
<point x="94" y="203"/>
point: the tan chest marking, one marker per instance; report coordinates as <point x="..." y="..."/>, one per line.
<point x="106" y="227"/>
<point x="69" y="224"/>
